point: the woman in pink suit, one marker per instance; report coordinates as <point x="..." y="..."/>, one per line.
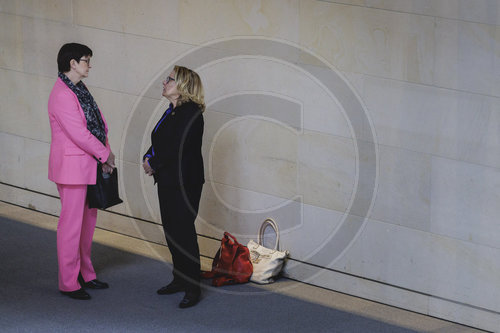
<point x="79" y="141"/>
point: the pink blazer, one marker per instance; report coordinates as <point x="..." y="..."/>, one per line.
<point x="72" y="147"/>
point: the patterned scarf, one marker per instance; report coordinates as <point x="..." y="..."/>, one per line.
<point x="95" y="124"/>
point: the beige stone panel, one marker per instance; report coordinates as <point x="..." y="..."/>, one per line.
<point x="214" y="120"/>
<point x="244" y="201"/>
<point x="41" y="41"/>
<point x="466" y="272"/>
<point x="470" y="132"/>
<point x="318" y="225"/>
<point x="128" y="63"/>
<point x="58" y="10"/>
<point x="28" y="216"/>
<point x="205" y="152"/>
<point x="12" y="159"/>
<point x="232" y="75"/>
<point x="467" y="57"/>
<point x="464" y="201"/>
<point x="256" y="154"/>
<point x="116" y="235"/>
<point x="327" y="170"/>
<point x="483" y="11"/>
<point x="208" y="249"/>
<point x="318" y="107"/>
<point x="33" y="44"/>
<point x="457" y="313"/>
<point x="327" y="29"/>
<point x="329" y="118"/>
<point x="11" y="39"/>
<point x="134" y="199"/>
<point x="403" y="194"/>
<point x="200" y="21"/>
<point x="29" y="199"/>
<point x="23" y="102"/>
<point x="152" y="18"/>
<point x="36" y="165"/>
<point x="213" y="216"/>
<point x="241" y="212"/>
<point x="480" y="11"/>
<point x="370" y="41"/>
<point x="130" y="226"/>
<point x="443" y="122"/>
<point x="136" y="138"/>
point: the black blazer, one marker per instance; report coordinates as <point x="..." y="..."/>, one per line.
<point x="175" y="152"/>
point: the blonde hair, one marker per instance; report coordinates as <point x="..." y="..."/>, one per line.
<point x="189" y="87"/>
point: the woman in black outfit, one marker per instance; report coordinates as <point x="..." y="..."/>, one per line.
<point x="175" y="161"/>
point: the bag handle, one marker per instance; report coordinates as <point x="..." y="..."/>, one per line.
<point x="228" y="235"/>
<point x="263" y="226"/>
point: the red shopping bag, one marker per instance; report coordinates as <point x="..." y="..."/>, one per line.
<point x="231" y="264"/>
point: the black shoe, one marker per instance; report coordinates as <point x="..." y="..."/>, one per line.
<point x="77" y="294"/>
<point x="96" y="284"/>
<point x="191" y="298"/>
<point x="172" y="288"/>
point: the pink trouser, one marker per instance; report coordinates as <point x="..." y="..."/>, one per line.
<point x="74" y="236"/>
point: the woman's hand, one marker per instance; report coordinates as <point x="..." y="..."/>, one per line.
<point x="147" y="168"/>
<point x="111" y="159"/>
<point x="107" y="168"/>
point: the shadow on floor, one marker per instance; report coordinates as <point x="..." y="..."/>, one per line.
<point x="30" y="301"/>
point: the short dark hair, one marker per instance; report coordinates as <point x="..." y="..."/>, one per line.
<point x="71" y="51"/>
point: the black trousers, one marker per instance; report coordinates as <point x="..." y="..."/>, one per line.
<point x="179" y="208"/>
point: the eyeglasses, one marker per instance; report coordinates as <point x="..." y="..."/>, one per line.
<point x="86" y="60"/>
<point x="168" y="79"/>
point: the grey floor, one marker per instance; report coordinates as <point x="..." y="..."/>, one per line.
<point x="30" y="301"/>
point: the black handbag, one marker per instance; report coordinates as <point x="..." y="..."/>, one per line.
<point x="104" y="193"/>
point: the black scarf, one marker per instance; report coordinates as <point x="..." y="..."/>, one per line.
<point x="95" y="124"/>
